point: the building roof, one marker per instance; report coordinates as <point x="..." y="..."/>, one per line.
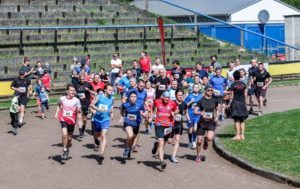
<point x="209" y="7"/>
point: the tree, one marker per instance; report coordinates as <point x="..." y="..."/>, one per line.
<point x="294" y="3"/>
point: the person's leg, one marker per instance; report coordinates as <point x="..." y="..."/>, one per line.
<point x="261" y="103"/>
<point x="80" y="124"/>
<point x="135" y="142"/>
<point x="176" y="147"/>
<point x="198" y="148"/>
<point x="103" y="140"/>
<point x="130" y="138"/>
<point x="161" y="144"/>
<point x="210" y="135"/>
<point x="237" y="130"/>
<point x="84" y="122"/>
<point x="43" y="110"/>
<point x="190" y="134"/>
<point x="22" y="112"/>
<point x="242" y="129"/>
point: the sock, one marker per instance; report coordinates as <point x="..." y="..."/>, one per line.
<point x="190" y="137"/>
<point x="83" y="129"/>
<point x="80" y="131"/>
<point x="194" y="136"/>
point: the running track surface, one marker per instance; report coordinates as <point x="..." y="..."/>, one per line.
<point x="31" y="159"/>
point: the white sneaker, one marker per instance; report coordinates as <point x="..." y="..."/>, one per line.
<point x="190" y="145"/>
<point x="194" y="145"/>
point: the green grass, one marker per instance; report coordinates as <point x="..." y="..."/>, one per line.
<point x="272" y="142"/>
<point x="286" y="82"/>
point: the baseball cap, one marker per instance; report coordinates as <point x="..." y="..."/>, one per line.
<point x="166" y="94"/>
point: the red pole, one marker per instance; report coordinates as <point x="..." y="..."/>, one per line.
<point x="160" y="22"/>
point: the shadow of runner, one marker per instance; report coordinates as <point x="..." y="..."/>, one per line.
<point x="95" y="157"/>
<point x="152" y="164"/>
<point x="57" y="145"/>
<point x="119" y="158"/>
<point x="89" y="146"/>
<point x="57" y="158"/>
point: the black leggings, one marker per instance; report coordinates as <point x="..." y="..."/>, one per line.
<point x="14" y="119"/>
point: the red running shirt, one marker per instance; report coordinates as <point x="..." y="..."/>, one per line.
<point x="46" y="80"/>
<point x="97" y="86"/>
<point x="164" y="113"/>
<point x="145" y="64"/>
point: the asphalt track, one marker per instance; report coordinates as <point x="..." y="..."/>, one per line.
<point x="31" y="159"/>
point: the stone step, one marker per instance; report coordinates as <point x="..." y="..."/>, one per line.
<point x="63" y="2"/>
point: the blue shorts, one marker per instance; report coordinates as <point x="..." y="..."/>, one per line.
<point x="99" y="126"/>
<point x="194" y="119"/>
<point x="251" y="92"/>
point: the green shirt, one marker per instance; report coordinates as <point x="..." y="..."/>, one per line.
<point x="14" y="105"/>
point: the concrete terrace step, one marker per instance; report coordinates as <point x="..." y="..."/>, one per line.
<point x="27" y="2"/>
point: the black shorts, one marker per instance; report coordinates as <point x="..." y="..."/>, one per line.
<point x="205" y="127"/>
<point x="219" y="99"/>
<point x="260" y="92"/>
<point x="160" y="132"/>
<point x="178" y="129"/>
<point x="134" y="129"/>
<point x="251" y="91"/>
<point x="239" y="118"/>
<point x="70" y="127"/>
<point x="23" y="100"/>
<point x="85" y="110"/>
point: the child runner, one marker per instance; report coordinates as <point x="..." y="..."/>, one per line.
<point x="44" y="101"/>
<point x="14" y="113"/>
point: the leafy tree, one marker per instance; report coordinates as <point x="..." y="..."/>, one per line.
<point x="294" y="3"/>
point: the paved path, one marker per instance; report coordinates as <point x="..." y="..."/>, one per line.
<point x="31" y="159"/>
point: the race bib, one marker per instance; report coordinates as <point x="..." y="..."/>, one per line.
<point x="194" y="105"/>
<point x="67" y="113"/>
<point x="178" y="117"/>
<point x="176" y="76"/>
<point x="208" y="115"/>
<point x="22" y="89"/>
<point x="103" y="108"/>
<point x="81" y="95"/>
<point x="167" y="131"/>
<point x="131" y="117"/>
<point x="161" y="87"/>
<point x="216" y="92"/>
<point x="260" y="84"/>
<point x="150" y="101"/>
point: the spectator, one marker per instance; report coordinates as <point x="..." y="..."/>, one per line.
<point x="103" y="75"/>
<point x="214" y="62"/>
<point x="145" y="62"/>
<point x="88" y="59"/>
<point x="26" y="68"/>
<point x="202" y="73"/>
<point x="237" y="64"/>
<point x="211" y="72"/>
<point x="46" y="80"/>
<point x="230" y="71"/>
<point x="47" y="67"/>
<point x="157" y="66"/>
<point x="116" y="65"/>
<point x="136" y="70"/>
<point x="78" y="70"/>
<point x="178" y="73"/>
<point x="39" y="70"/>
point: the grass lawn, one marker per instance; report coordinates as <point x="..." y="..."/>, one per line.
<point x="272" y="142"/>
<point x="286" y="82"/>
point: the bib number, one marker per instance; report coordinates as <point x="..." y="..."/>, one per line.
<point x="176" y="76"/>
<point x="178" y="117"/>
<point x="208" y="115"/>
<point x="161" y="87"/>
<point x="81" y="95"/>
<point x="131" y="117"/>
<point x="167" y="131"/>
<point x="22" y="89"/>
<point x="67" y="113"/>
<point x="103" y="108"/>
<point x="216" y="92"/>
<point x="260" y="84"/>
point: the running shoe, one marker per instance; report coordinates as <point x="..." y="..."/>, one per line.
<point x="198" y="159"/>
<point x="97" y="141"/>
<point x="96" y="147"/>
<point x="147" y="132"/>
<point x="126" y="152"/>
<point x="222" y="117"/>
<point x="251" y="111"/>
<point x="154" y="149"/>
<point x="190" y="145"/>
<point x="173" y="159"/>
<point x="260" y="113"/>
<point x="64" y="155"/>
<point x="129" y="154"/>
<point x="194" y="145"/>
<point x="163" y="165"/>
<point x="265" y="102"/>
<point x="205" y="144"/>
<point x="14" y="131"/>
<point x="134" y="149"/>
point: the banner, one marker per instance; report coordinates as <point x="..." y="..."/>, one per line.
<point x="162" y="38"/>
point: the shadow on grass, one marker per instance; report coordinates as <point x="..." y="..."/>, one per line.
<point x="95" y="157"/>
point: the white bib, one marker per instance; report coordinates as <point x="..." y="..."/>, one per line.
<point x="178" y="117"/>
<point x="81" y="95"/>
<point x="260" y="84"/>
<point x="131" y="117"/>
<point x="161" y="87"/>
<point x="176" y="76"/>
<point x="208" y="115"/>
<point x="103" y="108"/>
<point x="67" y="113"/>
<point x="22" y="89"/>
<point x="167" y="131"/>
<point x="216" y="92"/>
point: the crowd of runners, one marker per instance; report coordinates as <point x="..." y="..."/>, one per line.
<point x="154" y="99"/>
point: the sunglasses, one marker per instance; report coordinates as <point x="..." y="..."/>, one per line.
<point x="210" y="90"/>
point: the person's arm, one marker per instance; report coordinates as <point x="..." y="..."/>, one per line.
<point x="268" y="82"/>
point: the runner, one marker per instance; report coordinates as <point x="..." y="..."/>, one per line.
<point x="145" y="63"/>
<point x="161" y="83"/>
<point x="149" y="104"/>
<point x="193" y="119"/>
<point x="261" y="79"/>
<point x="251" y="90"/>
<point x="202" y="73"/>
<point x="102" y="108"/>
<point x="116" y="65"/>
<point x="124" y="83"/>
<point x="164" y="110"/>
<point x="36" y="94"/>
<point x="178" y="125"/>
<point x="207" y="108"/>
<point x="132" y="112"/>
<point x="44" y="98"/>
<point x="68" y="110"/>
<point x="214" y="62"/>
<point x="21" y="86"/>
<point x="178" y="73"/>
<point x="14" y="113"/>
<point x="237" y="105"/>
<point x="84" y="91"/>
<point x="172" y="90"/>
<point x="218" y="82"/>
